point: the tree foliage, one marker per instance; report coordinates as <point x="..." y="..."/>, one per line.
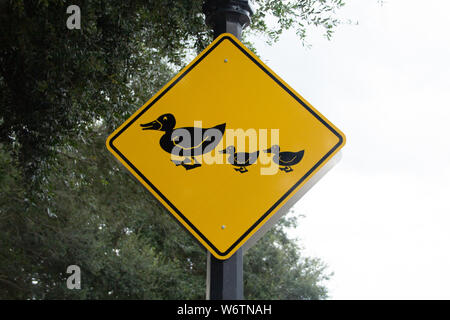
<point x="64" y="201"/>
<point x="127" y="246"/>
<point x="274" y="17"/>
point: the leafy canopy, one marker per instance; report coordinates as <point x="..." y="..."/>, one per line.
<point x="55" y="82"/>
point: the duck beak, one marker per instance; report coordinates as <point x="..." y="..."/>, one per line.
<point x="154" y="125"/>
<point x="268" y="150"/>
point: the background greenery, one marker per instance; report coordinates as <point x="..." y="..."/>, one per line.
<point x="64" y="200"/>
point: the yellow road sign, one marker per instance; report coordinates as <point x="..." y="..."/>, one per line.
<point x="225" y="144"/>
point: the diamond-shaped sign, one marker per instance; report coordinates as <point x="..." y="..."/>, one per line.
<point x="225" y="144"/>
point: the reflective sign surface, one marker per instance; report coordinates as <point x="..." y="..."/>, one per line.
<point x="225" y="144"/>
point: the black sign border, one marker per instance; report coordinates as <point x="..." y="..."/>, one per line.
<point x="237" y="242"/>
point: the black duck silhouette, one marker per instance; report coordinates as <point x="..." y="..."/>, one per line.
<point x="240" y="159"/>
<point x="285" y="159"/>
<point x="187" y="142"/>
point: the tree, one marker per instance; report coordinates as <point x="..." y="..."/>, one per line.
<point x="55" y="81"/>
<point x="127" y="246"/>
<point x="96" y="217"/>
<point x="275" y="268"/>
<point x="63" y="199"/>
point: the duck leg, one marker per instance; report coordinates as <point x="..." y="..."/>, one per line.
<point x="194" y="164"/>
<point x="181" y="162"/>
<point x="241" y="169"/>
<point x="177" y="162"/>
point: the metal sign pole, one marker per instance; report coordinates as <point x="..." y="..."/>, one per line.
<point x="225" y="277"/>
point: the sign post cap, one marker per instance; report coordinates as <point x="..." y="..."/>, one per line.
<point x="220" y="12"/>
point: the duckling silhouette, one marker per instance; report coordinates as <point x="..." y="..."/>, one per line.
<point x="187" y="142"/>
<point x="240" y="159"/>
<point x="286" y="159"/>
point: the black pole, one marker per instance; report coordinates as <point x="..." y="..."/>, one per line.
<point x="225" y="277"/>
<point x="228" y="16"/>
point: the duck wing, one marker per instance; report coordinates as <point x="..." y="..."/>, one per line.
<point x="195" y="141"/>
<point x="245" y="158"/>
<point x="212" y="138"/>
<point x="241" y="158"/>
<point x="187" y="138"/>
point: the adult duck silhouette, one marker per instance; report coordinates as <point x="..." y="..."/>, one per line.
<point x="285" y="159"/>
<point x="187" y="142"/>
<point x="240" y="159"/>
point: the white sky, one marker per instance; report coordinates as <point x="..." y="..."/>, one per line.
<point x="380" y="219"/>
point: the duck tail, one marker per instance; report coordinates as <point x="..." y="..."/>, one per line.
<point x="301" y="154"/>
<point x="221" y="127"/>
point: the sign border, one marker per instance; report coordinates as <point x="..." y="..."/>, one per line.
<point x="170" y="85"/>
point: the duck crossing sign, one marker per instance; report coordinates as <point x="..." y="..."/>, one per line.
<point x="225" y="145"/>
